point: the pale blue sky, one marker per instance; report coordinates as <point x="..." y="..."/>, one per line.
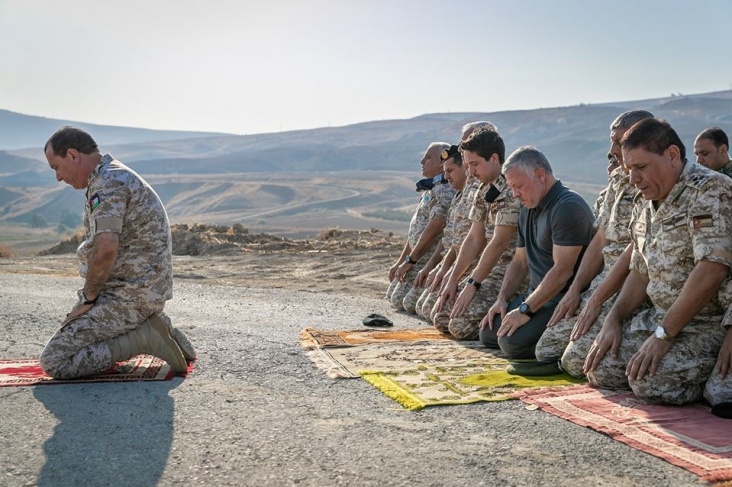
<point x="264" y="66"/>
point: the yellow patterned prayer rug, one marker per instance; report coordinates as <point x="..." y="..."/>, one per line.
<point x="439" y="384"/>
<point x="347" y="362"/>
<point x="313" y="338"/>
<point x="28" y="372"/>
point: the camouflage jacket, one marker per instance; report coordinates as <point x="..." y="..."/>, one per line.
<point x="690" y="225"/>
<point x="119" y="200"/>
<point x="434" y="203"/>
<point x="615" y="214"/>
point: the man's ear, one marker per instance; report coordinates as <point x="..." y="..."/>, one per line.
<point x="675" y="154"/>
<point x="74" y="154"/>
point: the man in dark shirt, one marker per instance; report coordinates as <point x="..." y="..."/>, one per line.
<point x="555" y="227"/>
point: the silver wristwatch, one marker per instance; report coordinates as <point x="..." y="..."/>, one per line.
<point x="661" y="334"/>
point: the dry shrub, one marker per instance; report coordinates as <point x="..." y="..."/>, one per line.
<point x="5" y="252"/>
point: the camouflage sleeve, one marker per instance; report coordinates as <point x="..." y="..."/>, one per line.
<point x="710" y="223"/>
<point x="108" y="204"/>
<point x="507" y="211"/>
<point x="479" y="208"/>
<point x="442" y="197"/>
<point x="603" y="206"/>
<point x="638" y="235"/>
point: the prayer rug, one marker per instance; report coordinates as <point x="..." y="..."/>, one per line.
<point x="312" y="337"/>
<point x="687" y="436"/>
<point x="347" y="362"/>
<point x="28" y="372"/>
<point x="442" y="384"/>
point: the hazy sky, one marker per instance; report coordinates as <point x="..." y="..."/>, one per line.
<point x="268" y="65"/>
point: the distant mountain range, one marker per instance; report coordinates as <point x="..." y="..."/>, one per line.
<point x="574" y="138"/>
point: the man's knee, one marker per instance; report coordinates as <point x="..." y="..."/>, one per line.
<point x="463" y="329"/>
<point x="717" y="389"/>
<point x="488" y="337"/>
<point x="517" y="348"/>
<point x="667" y="389"/>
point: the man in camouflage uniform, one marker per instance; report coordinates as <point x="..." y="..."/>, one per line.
<point x="455" y="228"/>
<point x="612" y="236"/>
<point x="492" y="236"/>
<point x="682" y="253"/>
<point x="425" y="228"/>
<point x="433" y="280"/>
<point x="125" y="261"/>
<point x="711" y="149"/>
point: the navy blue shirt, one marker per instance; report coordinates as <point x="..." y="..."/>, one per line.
<point x="563" y="218"/>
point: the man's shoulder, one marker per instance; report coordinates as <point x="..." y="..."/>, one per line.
<point x="703" y="178"/>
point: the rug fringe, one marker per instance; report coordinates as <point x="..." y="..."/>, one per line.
<point x="391" y="390"/>
<point x="721" y="478"/>
<point x="331" y="369"/>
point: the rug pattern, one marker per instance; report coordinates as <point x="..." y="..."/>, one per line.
<point x="28" y="372"/>
<point x="689" y="436"/>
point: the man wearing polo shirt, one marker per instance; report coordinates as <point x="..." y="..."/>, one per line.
<point x="555" y="228"/>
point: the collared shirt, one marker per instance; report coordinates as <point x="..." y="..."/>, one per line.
<point x="563" y="218"/>
<point x="692" y="224"/>
<point x="118" y="200"/>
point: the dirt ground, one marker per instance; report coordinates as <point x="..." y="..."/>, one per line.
<point x="340" y="261"/>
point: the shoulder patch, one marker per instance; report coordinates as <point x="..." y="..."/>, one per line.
<point x="94" y="202"/>
<point x="702" y="221"/>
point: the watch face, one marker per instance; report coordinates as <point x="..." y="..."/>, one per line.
<point x="660" y="332"/>
<point x="523" y="308"/>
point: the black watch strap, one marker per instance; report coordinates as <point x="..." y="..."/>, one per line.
<point x="86" y="301"/>
<point x="475" y="283"/>
<point x="408" y="259"/>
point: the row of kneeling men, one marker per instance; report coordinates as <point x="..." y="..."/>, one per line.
<point x="634" y="292"/>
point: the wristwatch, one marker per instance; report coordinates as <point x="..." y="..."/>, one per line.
<point x="408" y="259"/>
<point x="86" y="301"/>
<point x="475" y="283"/>
<point x="524" y="309"/>
<point x="662" y="335"/>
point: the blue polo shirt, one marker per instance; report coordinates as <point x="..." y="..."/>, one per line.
<point x="563" y="218"/>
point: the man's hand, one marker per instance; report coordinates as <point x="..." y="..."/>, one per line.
<point x="585" y="320"/>
<point x="724" y="359"/>
<point x="512" y="322"/>
<point x="437" y="280"/>
<point x="609" y="338"/>
<point x="565" y="309"/>
<point x="78" y="310"/>
<point x="447" y="296"/>
<point x="393" y="270"/>
<point x="646" y="359"/>
<point x="499" y="307"/>
<point x="463" y="300"/>
<point x="402" y="270"/>
<point x="421" y="279"/>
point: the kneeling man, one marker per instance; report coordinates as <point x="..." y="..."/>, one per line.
<point x="126" y="263"/>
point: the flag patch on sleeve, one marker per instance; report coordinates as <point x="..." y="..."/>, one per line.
<point x="702" y="221"/>
<point x="94" y="202"/>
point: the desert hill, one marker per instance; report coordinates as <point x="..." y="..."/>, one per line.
<point x="296" y="183"/>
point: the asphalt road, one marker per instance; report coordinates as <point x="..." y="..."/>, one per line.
<point x="256" y="412"/>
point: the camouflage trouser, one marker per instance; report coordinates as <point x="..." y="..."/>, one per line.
<point x="554" y="342"/>
<point x="426" y="302"/>
<point x="682" y="372"/>
<point x="411" y="298"/>
<point x="79" y="347"/>
<point x="717" y="389"/>
<point x="398" y="290"/>
<point x="467" y="325"/>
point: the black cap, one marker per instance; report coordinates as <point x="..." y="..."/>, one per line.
<point x="448" y="153"/>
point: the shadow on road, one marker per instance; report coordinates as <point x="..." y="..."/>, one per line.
<point x="108" y="434"/>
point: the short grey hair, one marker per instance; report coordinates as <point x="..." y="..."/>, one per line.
<point x="442" y="145"/>
<point x="630" y="118"/>
<point x="473" y="126"/>
<point x="527" y="158"/>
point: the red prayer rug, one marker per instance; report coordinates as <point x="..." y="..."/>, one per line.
<point x="28" y="372"/>
<point x="687" y="436"/>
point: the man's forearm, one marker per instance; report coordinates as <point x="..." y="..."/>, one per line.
<point x="631" y="297"/>
<point x="101" y="262"/>
<point x="516" y="272"/>
<point x="701" y="286"/>
<point x="552" y="284"/>
<point x="614" y="279"/>
<point x="492" y="253"/>
<point x="429" y="234"/>
<point x="474" y="241"/>
<point x="592" y="263"/>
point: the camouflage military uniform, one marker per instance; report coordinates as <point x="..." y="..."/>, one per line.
<point x="614" y="218"/>
<point x="117" y="200"/>
<point x="434" y="203"/>
<point x="691" y="225"/>
<point x="428" y="300"/>
<point x="726" y="169"/>
<point x="502" y="210"/>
